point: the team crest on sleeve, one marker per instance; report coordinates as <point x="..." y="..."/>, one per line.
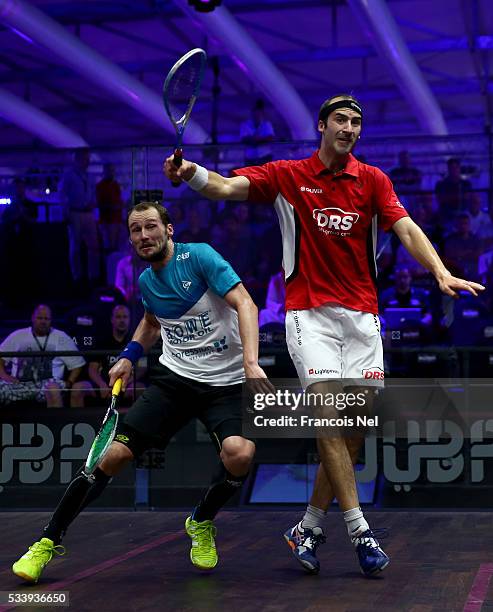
<point x="186" y="285"/>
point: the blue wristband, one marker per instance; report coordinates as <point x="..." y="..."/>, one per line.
<point x="133" y="351"/>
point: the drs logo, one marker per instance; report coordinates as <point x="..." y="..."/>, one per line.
<point x="373" y="374"/>
<point x="335" y="219"/>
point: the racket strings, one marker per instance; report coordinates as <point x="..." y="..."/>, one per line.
<point x="182" y="87"/>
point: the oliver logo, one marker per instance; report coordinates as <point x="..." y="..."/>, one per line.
<point x="334" y="219"/>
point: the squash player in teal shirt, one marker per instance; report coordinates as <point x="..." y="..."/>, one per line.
<point x="209" y="329"/>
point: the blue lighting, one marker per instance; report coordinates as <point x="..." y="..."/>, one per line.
<point x="5" y="201"/>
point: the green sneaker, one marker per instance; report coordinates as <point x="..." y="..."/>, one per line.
<point x="203" y="553"/>
<point x="33" y="562"/>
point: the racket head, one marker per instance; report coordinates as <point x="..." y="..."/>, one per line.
<point x="102" y="441"/>
<point x="106" y="433"/>
<point x="181" y="89"/>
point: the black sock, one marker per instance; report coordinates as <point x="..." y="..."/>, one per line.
<point x="224" y="486"/>
<point x="80" y="492"/>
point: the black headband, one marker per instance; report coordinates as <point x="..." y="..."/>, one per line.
<point x="326" y="110"/>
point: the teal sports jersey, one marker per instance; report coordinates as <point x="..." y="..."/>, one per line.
<point x="201" y="338"/>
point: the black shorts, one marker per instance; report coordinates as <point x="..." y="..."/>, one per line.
<point x="170" y="402"/>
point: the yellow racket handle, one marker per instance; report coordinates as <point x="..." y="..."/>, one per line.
<point x="117" y="387"/>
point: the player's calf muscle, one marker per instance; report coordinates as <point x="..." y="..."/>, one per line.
<point x="116" y="458"/>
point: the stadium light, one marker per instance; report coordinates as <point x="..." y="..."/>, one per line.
<point x="204" y="6"/>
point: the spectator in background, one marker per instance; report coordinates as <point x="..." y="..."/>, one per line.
<point x="485" y="233"/>
<point x="110" y="204"/>
<point x="256" y="133"/>
<point x="461" y="248"/>
<point x="128" y="270"/>
<point x="405" y="177"/>
<point x="114" y="342"/>
<point x="476" y="214"/>
<point x="274" y="311"/>
<point x="77" y="197"/>
<point x="452" y="192"/>
<point x="177" y="213"/>
<point x="17" y="233"/>
<point x="194" y="228"/>
<point x="39" y="378"/>
<point x="404" y="295"/>
<point x="236" y="248"/>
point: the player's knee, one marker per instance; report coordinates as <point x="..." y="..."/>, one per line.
<point x="237" y="454"/>
<point x="116" y="458"/>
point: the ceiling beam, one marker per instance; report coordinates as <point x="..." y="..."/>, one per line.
<point x="258" y="67"/>
<point x="378" y="24"/>
<point x="35" y="25"/>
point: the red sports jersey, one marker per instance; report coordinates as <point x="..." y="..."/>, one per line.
<point x="329" y="227"/>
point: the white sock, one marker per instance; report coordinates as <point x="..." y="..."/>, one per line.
<point x="313" y="517"/>
<point x="355" y="522"/>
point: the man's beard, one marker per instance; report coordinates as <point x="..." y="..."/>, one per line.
<point x="158" y="256"/>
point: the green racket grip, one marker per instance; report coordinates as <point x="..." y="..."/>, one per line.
<point x="117" y="387"/>
<point x="177" y="160"/>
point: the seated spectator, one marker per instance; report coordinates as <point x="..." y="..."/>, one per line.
<point x="418" y="272"/>
<point x="117" y="340"/>
<point x="476" y="213"/>
<point x="485" y="233"/>
<point x="452" y="192"/>
<point x="404" y="295"/>
<point x="257" y="132"/>
<point x="40" y="378"/>
<point x="461" y="248"/>
<point x="274" y="311"/>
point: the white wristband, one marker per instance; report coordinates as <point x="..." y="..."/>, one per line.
<point x="200" y="178"/>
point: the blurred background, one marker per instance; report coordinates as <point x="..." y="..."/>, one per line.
<point x="83" y="128"/>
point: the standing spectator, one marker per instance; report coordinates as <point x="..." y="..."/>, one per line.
<point x="461" y="247"/>
<point x="116" y="340"/>
<point x="274" y="310"/>
<point x="110" y="204"/>
<point x="128" y="270"/>
<point x="452" y="192"/>
<point x="78" y="199"/>
<point x="257" y="132"/>
<point x="405" y="177"/>
<point x="39" y="378"/>
<point x="17" y="233"/>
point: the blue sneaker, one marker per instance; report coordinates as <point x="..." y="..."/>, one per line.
<point x="304" y="543"/>
<point x="371" y="557"/>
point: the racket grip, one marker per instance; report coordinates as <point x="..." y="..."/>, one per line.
<point x="117" y="387"/>
<point x="177" y="160"/>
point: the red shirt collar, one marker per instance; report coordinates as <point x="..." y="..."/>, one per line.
<point x="352" y="165"/>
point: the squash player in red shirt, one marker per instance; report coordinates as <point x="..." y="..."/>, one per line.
<point x="330" y="206"/>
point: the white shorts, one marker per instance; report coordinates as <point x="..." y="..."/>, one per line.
<point x="335" y="342"/>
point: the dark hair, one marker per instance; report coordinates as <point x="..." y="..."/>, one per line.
<point x="142" y="206"/>
<point x="323" y="113"/>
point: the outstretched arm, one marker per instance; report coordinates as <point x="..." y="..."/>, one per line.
<point x="415" y="241"/>
<point x="211" y="184"/>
